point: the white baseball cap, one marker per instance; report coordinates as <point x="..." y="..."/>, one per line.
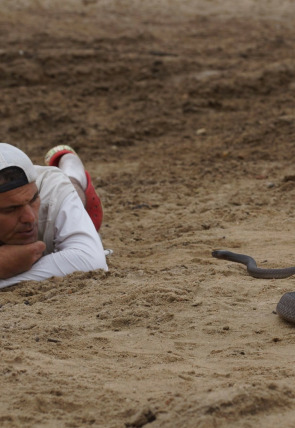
<point x="12" y="158"/>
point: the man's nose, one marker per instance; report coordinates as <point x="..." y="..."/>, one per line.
<point x="27" y="214"/>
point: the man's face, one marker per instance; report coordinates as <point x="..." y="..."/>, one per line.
<point x="19" y="211"/>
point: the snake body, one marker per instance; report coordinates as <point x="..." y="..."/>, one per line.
<point x="286" y="305"/>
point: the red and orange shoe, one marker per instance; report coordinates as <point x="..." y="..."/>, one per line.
<point x="53" y="156"/>
<point x="93" y="202"/>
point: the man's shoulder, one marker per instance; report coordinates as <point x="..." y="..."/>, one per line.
<point x="54" y="186"/>
<point x="50" y="175"/>
<point x="46" y="171"/>
<point x="52" y="183"/>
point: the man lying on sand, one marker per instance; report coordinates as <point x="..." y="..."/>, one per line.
<point x="45" y="230"/>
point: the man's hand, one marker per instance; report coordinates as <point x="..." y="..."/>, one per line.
<point x="15" y="259"/>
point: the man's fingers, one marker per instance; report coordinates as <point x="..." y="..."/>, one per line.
<point x="40" y="246"/>
<point x="15" y="259"/>
<point x="37" y="249"/>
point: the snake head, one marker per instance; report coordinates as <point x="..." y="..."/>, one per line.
<point x="222" y="254"/>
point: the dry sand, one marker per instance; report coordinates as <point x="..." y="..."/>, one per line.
<point x="183" y="113"/>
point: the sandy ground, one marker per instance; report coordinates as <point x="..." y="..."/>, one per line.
<point x="183" y="112"/>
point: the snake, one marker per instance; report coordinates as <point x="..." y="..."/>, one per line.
<point x="286" y="306"/>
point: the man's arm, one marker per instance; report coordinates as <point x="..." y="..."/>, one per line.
<point x="16" y="259"/>
<point x="77" y="246"/>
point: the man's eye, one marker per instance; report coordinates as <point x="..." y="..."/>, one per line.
<point x="35" y="198"/>
<point x="8" y="210"/>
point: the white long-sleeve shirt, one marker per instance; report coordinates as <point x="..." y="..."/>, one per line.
<point x="77" y="246"/>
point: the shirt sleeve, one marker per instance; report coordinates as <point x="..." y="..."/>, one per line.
<point x="77" y="244"/>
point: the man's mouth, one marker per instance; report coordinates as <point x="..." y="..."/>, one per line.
<point x="27" y="233"/>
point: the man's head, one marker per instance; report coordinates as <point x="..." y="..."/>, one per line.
<point x="19" y="197"/>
